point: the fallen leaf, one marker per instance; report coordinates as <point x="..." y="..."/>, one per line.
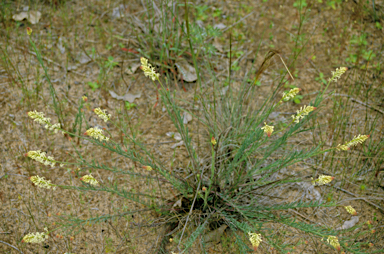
<point x="177" y="144"/>
<point x="215" y="235"/>
<point x="217" y="45"/>
<point x="220" y="26"/>
<point x="174" y="135"/>
<point x="32" y="16"/>
<point x="132" y="69"/>
<point x="349" y="223"/>
<point x="186" y="117"/>
<point x="127" y="97"/>
<point x="187" y="71"/>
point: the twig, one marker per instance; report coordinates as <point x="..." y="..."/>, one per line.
<point x="11" y="246"/>
<point x="360" y="102"/>
<point x="367" y="201"/>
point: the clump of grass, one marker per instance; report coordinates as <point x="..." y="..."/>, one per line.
<point x="232" y="186"/>
<point x="234" y="173"/>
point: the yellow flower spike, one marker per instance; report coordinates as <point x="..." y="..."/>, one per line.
<point x="302" y="112"/>
<point x="149" y="168"/>
<point x="350" y="210"/>
<point x="255" y="240"/>
<point x="85" y="99"/>
<point x="102" y="114"/>
<point x="268" y="129"/>
<point x="41" y="157"/>
<point x="337" y="74"/>
<point x="354" y="142"/>
<point x="96" y="133"/>
<point x="323" y="179"/>
<point x="332" y="240"/>
<point x="42" y="183"/>
<point x="213" y="141"/>
<point x="149" y="71"/>
<point x="291" y="94"/>
<point x="41" y="119"/>
<point x="29" y="30"/>
<point x="35" y="237"/>
<point x="89" y="179"/>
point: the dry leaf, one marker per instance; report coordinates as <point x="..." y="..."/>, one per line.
<point x="127" y="97"/>
<point x="132" y="69"/>
<point x="220" y="26"/>
<point x="174" y="135"/>
<point x="215" y="235"/>
<point x="187" y="71"/>
<point x="32" y="16"/>
<point x="217" y="45"/>
<point x="349" y="223"/>
<point x="177" y="144"/>
<point x="186" y="117"/>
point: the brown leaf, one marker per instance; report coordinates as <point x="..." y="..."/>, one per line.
<point x="127" y="97"/>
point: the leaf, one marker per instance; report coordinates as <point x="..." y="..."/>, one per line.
<point x="186" y="117"/>
<point x="32" y="16"/>
<point x="174" y="135"/>
<point x="127" y="97"/>
<point x="132" y="69"/>
<point x="349" y="223"/>
<point x="215" y="235"/>
<point x="220" y="26"/>
<point x="187" y="71"/>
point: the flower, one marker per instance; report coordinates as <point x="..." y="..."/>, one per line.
<point x="213" y="141"/>
<point x="332" y="240"/>
<point x="323" y="180"/>
<point x="41" y="119"/>
<point x="337" y="74"/>
<point x="355" y="141"/>
<point x="302" y="112"/>
<point x="268" y="129"/>
<point x="149" y="168"/>
<point x="350" y="210"/>
<point x="42" y="183"/>
<point x="35" y="237"/>
<point x="29" y="30"/>
<point x="96" y="133"/>
<point x="102" y="114"/>
<point x="255" y="239"/>
<point x="89" y="179"/>
<point x="149" y="71"/>
<point x="41" y="157"/>
<point x="291" y="94"/>
<point x="85" y="99"/>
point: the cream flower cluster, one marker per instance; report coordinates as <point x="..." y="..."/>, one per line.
<point x="149" y="168"/>
<point x="323" y="179"/>
<point x="42" y="183"/>
<point x="350" y="210"/>
<point x="41" y="119"/>
<point x="355" y="141"/>
<point x="42" y="158"/>
<point x="102" y="114"/>
<point x="255" y="239"/>
<point x="149" y="71"/>
<point x="96" y="133"/>
<point x="337" y="74"/>
<point x="35" y="237"/>
<point x="291" y="94"/>
<point x="268" y="129"/>
<point x="332" y="240"/>
<point x="89" y="179"/>
<point x="302" y="112"/>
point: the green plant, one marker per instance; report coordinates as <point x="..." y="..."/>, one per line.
<point x="129" y="105"/>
